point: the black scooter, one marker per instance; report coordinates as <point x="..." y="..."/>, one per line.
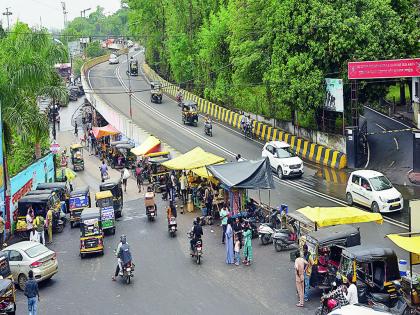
<point x="208" y="129"/>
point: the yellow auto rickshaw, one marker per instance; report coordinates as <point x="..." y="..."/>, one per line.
<point x="79" y="200"/>
<point x="91" y="234"/>
<point x="105" y="202"/>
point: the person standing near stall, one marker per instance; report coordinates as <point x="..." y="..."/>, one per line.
<point x="49" y="224"/>
<point x="224" y="217"/>
<point x="248" y="254"/>
<point x="183" y="185"/>
<point x="229" y="242"/>
<point x="39" y="227"/>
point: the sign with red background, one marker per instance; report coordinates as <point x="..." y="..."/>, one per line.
<point x="384" y="69"/>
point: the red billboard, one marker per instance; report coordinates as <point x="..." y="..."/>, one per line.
<point x="383" y="69"/>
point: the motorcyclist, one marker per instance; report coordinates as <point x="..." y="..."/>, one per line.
<point x="337" y="293"/>
<point x="123" y="254"/>
<point x="179" y="96"/>
<point x="197" y="232"/>
<point x="207" y="123"/>
<point x="245" y="121"/>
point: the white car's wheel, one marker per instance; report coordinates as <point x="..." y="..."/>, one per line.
<point x="280" y="172"/>
<point x="349" y="199"/>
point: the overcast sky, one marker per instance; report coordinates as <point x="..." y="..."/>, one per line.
<point x="50" y="12"/>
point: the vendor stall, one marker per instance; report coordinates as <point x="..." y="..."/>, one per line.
<point x="237" y="177"/>
<point x="107" y="130"/>
<point x="151" y="144"/>
<point x="193" y="159"/>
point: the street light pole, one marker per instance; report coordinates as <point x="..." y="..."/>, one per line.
<point x="7" y="14"/>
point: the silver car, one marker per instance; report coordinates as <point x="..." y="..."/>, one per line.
<point x="28" y="255"/>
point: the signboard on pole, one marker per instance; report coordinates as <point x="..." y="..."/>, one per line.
<point x="334" y="99"/>
<point x="54" y="147"/>
<point x="384" y="69"/>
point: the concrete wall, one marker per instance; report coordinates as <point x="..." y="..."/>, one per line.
<point x="416" y="100"/>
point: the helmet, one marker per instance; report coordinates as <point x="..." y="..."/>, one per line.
<point x="123" y="239"/>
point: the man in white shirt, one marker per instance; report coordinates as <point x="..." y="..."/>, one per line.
<point x="351" y="295"/>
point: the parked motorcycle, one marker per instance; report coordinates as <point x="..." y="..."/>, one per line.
<point x="284" y="239"/>
<point x="327" y="306"/>
<point x="208" y="129"/>
<point x="172" y="226"/>
<point x="266" y="233"/>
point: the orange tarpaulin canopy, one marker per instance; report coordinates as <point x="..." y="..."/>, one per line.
<point x="108" y="130"/>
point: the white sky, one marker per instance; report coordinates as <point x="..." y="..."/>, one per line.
<point x="50" y="12"/>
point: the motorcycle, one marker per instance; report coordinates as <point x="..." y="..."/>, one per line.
<point x="247" y="130"/>
<point x="208" y="129"/>
<point x="127" y="271"/>
<point x="266" y="232"/>
<point x="327" y="306"/>
<point x="172" y="226"/>
<point x="59" y="221"/>
<point x="179" y="99"/>
<point x="198" y="249"/>
<point x="284" y="239"/>
<point x="149" y="203"/>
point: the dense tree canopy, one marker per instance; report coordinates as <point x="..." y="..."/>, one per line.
<point x="27" y="59"/>
<point x="97" y="24"/>
<point x="272" y="56"/>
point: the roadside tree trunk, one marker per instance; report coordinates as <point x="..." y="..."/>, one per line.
<point x="38" y="153"/>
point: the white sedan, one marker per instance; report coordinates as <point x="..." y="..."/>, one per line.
<point x="28" y="255"/>
<point x="113" y="59"/>
<point x="282" y="159"/>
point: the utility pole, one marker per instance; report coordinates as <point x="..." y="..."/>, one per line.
<point x="7" y="14"/>
<point x="63" y="5"/>
<point x="129" y="86"/>
<point x="83" y="12"/>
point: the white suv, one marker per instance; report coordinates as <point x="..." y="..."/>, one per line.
<point x="282" y="159"/>
<point x="373" y="189"/>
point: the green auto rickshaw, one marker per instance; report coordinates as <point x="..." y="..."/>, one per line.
<point x="105" y="202"/>
<point x="117" y="193"/>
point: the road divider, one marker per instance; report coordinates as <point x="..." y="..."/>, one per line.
<point x="308" y="150"/>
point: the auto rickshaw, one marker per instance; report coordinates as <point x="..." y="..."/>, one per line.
<point x="133" y="67"/>
<point x="79" y="200"/>
<point x="105" y="202"/>
<point x="76" y="152"/>
<point x="326" y="245"/>
<point x="91" y="234"/>
<point x="156" y="92"/>
<point x="7" y="297"/>
<point x="158" y="172"/>
<point x="61" y="189"/>
<point x="117" y="193"/>
<point x="189" y="113"/>
<point x="374" y="270"/>
<point x="40" y="203"/>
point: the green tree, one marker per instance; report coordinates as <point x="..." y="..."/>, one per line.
<point x="94" y="49"/>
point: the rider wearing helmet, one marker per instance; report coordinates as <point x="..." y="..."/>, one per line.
<point x="123" y="254"/>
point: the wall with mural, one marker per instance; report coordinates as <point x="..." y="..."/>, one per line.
<point x="41" y="171"/>
<point x="2" y="186"/>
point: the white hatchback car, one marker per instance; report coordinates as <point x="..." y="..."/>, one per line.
<point x="373" y="189"/>
<point x="283" y="159"/>
<point x="28" y="255"/>
<point x="113" y="59"/>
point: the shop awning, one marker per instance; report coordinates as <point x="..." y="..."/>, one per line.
<point x="410" y="244"/>
<point x="108" y="130"/>
<point x="150" y="144"/>
<point x="203" y="172"/>
<point x="245" y="174"/>
<point x="193" y="159"/>
<point x="327" y="216"/>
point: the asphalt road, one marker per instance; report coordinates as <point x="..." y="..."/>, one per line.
<point x="391" y="152"/>
<point x="164" y="121"/>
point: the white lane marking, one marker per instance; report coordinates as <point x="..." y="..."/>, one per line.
<point x="396" y="143"/>
<point x="368" y="154"/>
<point x="380" y="126"/>
<point x="294" y="185"/>
<point x="392" y="164"/>
<point x="390" y="118"/>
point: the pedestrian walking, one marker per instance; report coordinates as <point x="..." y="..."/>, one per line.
<point x="39" y="227"/>
<point x="76" y="130"/>
<point x="300" y="263"/>
<point x="183" y="182"/>
<point x="125" y="174"/>
<point x="308" y="270"/>
<point x="248" y="254"/>
<point x="49" y="224"/>
<point x="237" y="250"/>
<point x="139" y="176"/>
<point x="224" y="217"/>
<point x="32" y="293"/>
<point x="173" y="182"/>
<point x="229" y="242"/>
<point x="1" y="230"/>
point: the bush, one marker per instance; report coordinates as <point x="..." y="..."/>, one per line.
<point x="94" y="49"/>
